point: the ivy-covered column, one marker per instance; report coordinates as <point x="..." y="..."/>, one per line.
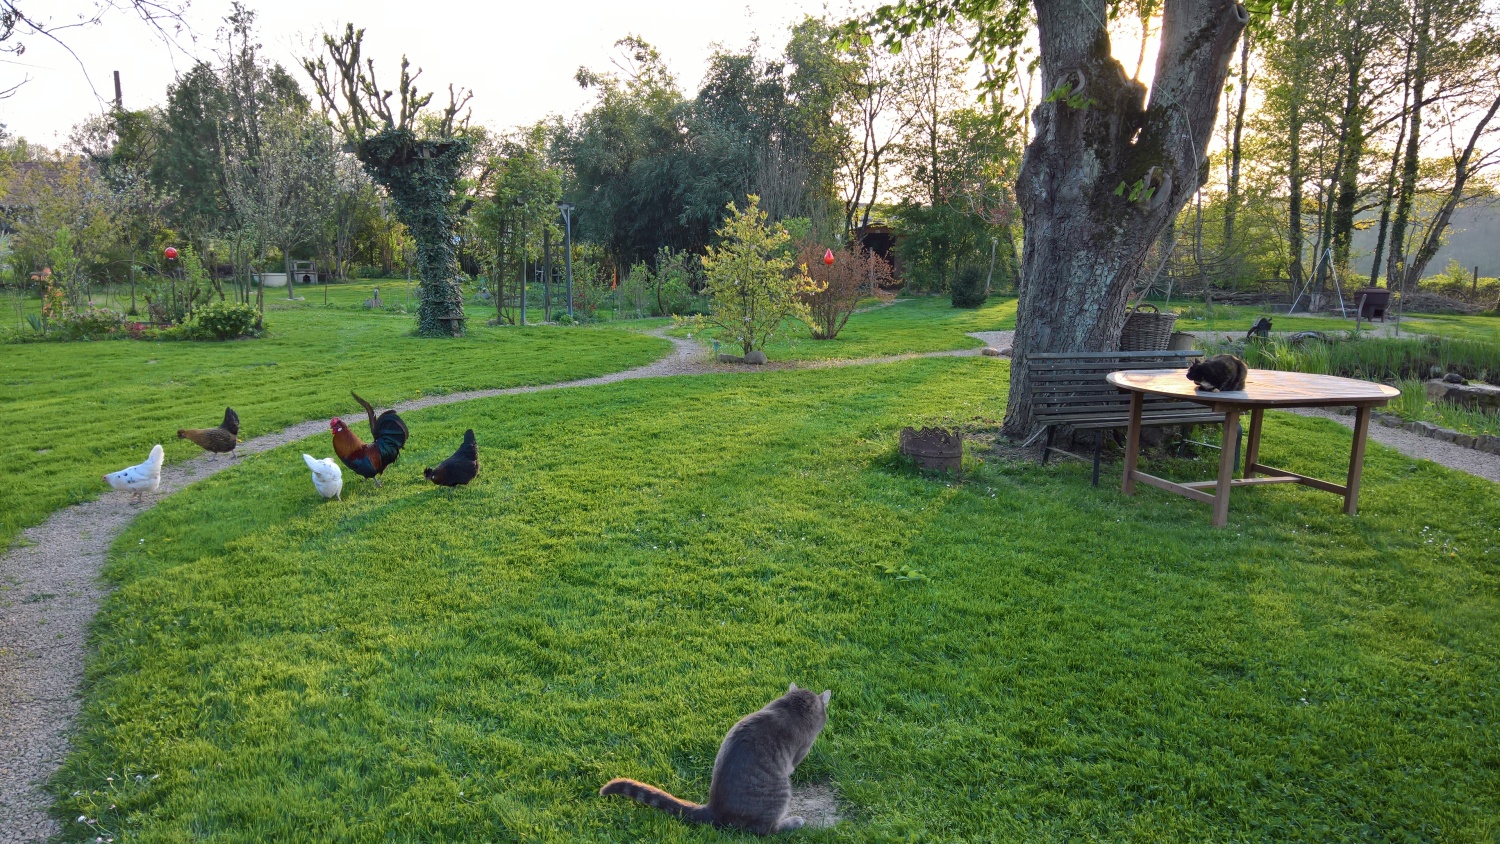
<point x="421" y="176"/>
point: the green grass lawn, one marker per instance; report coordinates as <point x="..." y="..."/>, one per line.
<point x="906" y="326"/>
<point x="1193" y="316"/>
<point x="72" y="411"/>
<point x="1461" y="327"/>
<point x="639" y="565"/>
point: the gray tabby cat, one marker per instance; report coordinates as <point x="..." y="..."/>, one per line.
<point x="752" y="781"/>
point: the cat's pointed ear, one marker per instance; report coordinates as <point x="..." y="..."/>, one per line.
<point x="827" y="693"/>
<point x="791" y="688"/>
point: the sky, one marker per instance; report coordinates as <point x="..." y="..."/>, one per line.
<point x="519" y="58"/>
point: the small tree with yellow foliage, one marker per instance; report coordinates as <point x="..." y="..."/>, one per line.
<point x="753" y="283"/>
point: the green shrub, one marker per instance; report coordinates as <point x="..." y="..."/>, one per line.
<point x="225" y="320"/>
<point x="968" y="287"/>
<point x="89" y="324"/>
<point x="1456" y="282"/>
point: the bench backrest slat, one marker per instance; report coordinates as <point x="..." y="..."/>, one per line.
<point x="1127" y="357"/>
<point x="1071" y="385"/>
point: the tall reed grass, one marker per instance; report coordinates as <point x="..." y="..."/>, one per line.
<point x="1403" y="363"/>
<point x="1381" y="359"/>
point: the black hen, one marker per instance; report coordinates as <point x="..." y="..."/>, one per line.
<point x="458" y="469"/>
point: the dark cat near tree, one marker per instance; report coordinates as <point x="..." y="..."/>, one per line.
<point x="1219" y="374"/>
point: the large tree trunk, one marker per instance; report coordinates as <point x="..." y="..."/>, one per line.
<point x="1294" y="167"/>
<point x="421" y="176"/>
<point x="1390" y="182"/>
<point x="1351" y="150"/>
<point x="1085" y="243"/>
<point x="1232" y="191"/>
<point x="1406" y="195"/>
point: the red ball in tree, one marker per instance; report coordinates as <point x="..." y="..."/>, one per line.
<point x="171" y="253"/>
<point x="828" y="258"/>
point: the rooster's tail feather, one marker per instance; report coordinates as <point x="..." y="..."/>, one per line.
<point x="390" y="436"/>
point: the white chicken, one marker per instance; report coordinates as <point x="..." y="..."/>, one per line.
<point x="328" y="478"/>
<point x="140" y="478"/>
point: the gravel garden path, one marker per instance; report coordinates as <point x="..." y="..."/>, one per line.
<point x="52" y="586"/>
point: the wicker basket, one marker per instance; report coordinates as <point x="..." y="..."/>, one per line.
<point x="1146" y="331"/>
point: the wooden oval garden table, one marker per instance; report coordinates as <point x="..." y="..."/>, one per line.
<point x="1264" y="388"/>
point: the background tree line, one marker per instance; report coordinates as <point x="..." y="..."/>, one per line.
<point x="242" y="165"/>
<point x="1348" y="133"/>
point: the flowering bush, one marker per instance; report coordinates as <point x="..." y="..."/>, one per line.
<point x="855" y="273"/>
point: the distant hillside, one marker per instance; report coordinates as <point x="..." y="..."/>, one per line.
<point x="1473" y="239"/>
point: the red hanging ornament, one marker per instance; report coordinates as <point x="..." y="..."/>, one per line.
<point x="828" y="258"/>
<point x="171" y="253"/>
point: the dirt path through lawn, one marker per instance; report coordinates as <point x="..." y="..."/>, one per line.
<point x="52" y="587"/>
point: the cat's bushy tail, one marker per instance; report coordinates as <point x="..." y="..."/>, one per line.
<point x="657" y="799"/>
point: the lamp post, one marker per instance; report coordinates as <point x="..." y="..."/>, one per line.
<point x="547" y="272"/>
<point x="567" y="212"/>
<point x="521" y="225"/>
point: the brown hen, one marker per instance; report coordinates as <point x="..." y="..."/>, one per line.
<point x="220" y="440"/>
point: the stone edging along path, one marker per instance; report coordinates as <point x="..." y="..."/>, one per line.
<point x="53" y="577"/>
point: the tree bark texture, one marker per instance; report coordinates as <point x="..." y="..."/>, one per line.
<point x="421" y="175"/>
<point x="1294" y="167"/>
<point x="1406" y="194"/>
<point x="1390" y="182"/>
<point x="1351" y="151"/>
<point x="1085" y="239"/>
<point x="1232" y="192"/>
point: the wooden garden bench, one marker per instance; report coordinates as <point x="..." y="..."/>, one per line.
<point x="1068" y="389"/>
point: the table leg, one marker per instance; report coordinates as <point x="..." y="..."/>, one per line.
<point x="1356" y="460"/>
<point x="1252" y="444"/>
<point x="1226" y="468"/>
<point x="1133" y="443"/>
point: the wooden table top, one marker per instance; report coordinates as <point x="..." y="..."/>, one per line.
<point x="1263" y="388"/>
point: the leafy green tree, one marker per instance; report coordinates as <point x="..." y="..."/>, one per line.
<point x="960" y="209"/>
<point x="625" y="157"/>
<point x="58" y="195"/>
<point x="215" y="113"/>
<point x="750" y="279"/>
<point x="822" y="79"/>
<point x="280" y="194"/>
<point x="650" y="168"/>
<point x="524" y="192"/>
